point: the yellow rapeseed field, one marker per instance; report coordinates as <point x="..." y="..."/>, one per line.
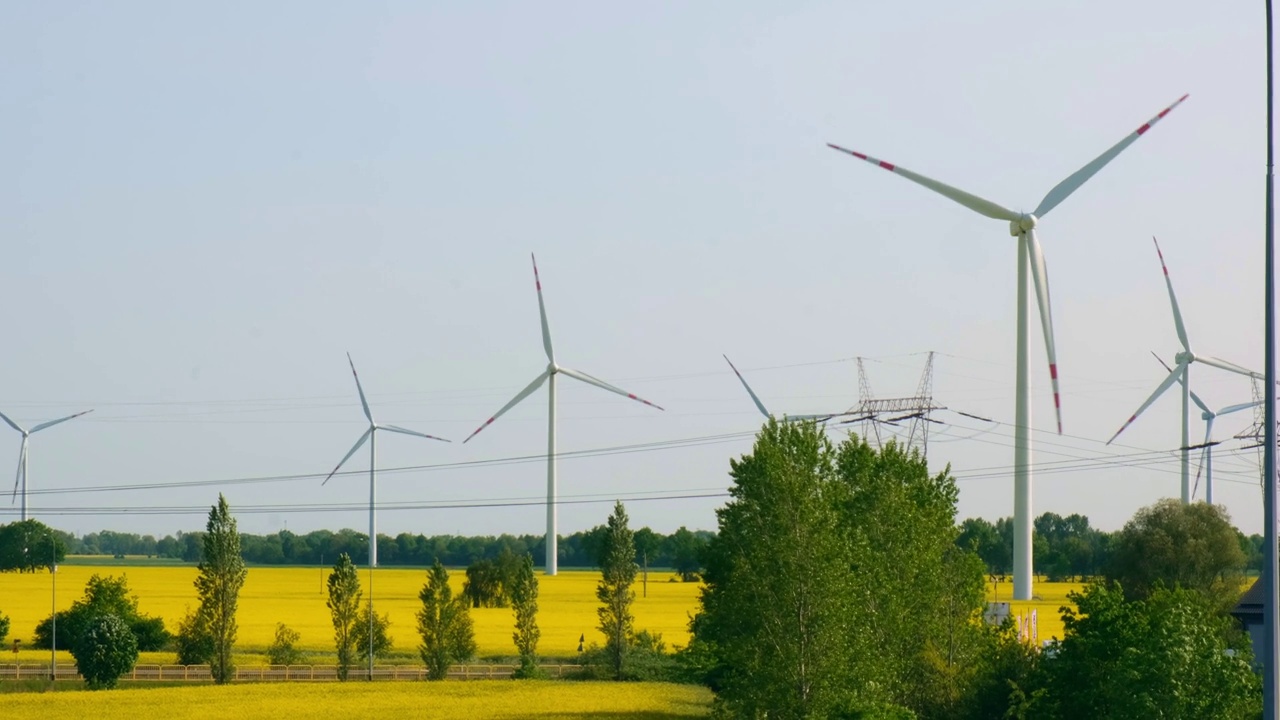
<point x="296" y="596"/>
<point x="496" y="700"/>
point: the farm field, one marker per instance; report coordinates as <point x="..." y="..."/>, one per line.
<point x="296" y="596"/>
<point x="498" y="700"/>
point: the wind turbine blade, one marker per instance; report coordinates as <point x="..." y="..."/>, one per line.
<point x="1237" y="408"/>
<point x="1168" y="382"/>
<point x="973" y="202"/>
<point x="406" y="431"/>
<point x="1228" y="366"/>
<point x="350" y="452"/>
<point x="606" y="386"/>
<point x="18" y="478"/>
<point x="363" y="403"/>
<point x="10" y="423"/>
<point x="1204" y="453"/>
<point x="1040" y="276"/>
<point x="1073" y="182"/>
<point x="51" y="423"/>
<point x="1173" y="301"/>
<point x="754" y="399"/>
<point x="1161" y="361"/>
<point x="542" y="311"/>
<point x="1200" y="404"/>
<point x="537" y="382"/>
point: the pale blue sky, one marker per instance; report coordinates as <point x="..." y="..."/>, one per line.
<point x="205" y="207"/>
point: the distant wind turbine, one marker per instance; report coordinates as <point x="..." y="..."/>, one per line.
<point x="549" y="376"/>
<point x="766" y="413"/>
<point x="1206" y="455"/>
<point x="1181" y="373"/>
<point x="23" y="454"/>
<point x="371" y="435"/>
<point x="1206" y="452"/>
<point x="1023" y="226"/>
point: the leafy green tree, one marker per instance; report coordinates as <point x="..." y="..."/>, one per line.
<point x="283" y="650"/>
<point x="103" y="596"/>
<point x="919" y="599"/>
<point x="444" y="624"/>
<point x="221" y="575"/>
<point x="772" y="636"/>
<point x="28" y="546"/>
<point x="524" y="602"/>
<point x="105" y="650"/>
<point x="686" y="553"/>
<point x="982" y="537"/>
<point x="1006" y="680"/>
<point x="483" y="586"/>
<point x="1179" y="545"/>
<point x="4" y="626"/>
<point x="344" y="609"/>
<point x="194" y="641"/>
<point x="1169" y="654"/>
<point x="618" y="573"/>
<point x="381" y="639"/>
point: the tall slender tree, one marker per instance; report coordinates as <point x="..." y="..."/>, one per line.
<point x="221" y="575"/>
<point x="618" y="572"/>
<point x="444" y="623"/>
<point x="344" y="609"/>
<point x="524" y="601"/>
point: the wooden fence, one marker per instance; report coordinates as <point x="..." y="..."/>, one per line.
<point x="283" y="673"/>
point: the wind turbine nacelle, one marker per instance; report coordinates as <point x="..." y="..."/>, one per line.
<point x="1022" y="225"/>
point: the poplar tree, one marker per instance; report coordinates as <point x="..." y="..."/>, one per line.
<point x="344" y="609"/>
<point x="524" y="601"/>
<point x="618" y="572"/>
<point x="444" y="624"/>
<point x="221" y="575"/>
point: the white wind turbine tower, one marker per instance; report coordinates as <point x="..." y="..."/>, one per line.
<point x="1023" y="226"/>
<point x="766" y="413"/>
<point x="549" y="376"/>
<point x="371" y="435"/>
<point x="1181" y="373"/>
<point x="21" y="478"/>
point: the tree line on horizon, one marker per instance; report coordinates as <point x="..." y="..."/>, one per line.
<point x="679" y="550"/>
<point x="1066" y="548"/>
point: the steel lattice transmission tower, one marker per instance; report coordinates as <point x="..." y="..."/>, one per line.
<point x="914" y="410"/>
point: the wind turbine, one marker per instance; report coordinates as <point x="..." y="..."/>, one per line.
<point x="23" y="454"/>
<point x="549" y="376"/>
<point x="371" y="435"/>
<point x="1023" y="226"/>
<point x="1206" y="455"/>
<point x="760" y="405"/>
<point x="1181" y="373"/>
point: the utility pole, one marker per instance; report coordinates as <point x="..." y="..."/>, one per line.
<point x="646" y="573"/>
<point x="1271" y="602"/>
<point x="53" y="638"/>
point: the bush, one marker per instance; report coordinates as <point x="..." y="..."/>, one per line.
<point x="194" y="642"/>
<point x="105" y="650"/>
<point x="4" y="626"/>
<point x="647" y="661"/>
<point x="103" y="596"/>
<point x="282" y="651"/>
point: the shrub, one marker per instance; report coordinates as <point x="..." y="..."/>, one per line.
<point x="4" y="626"/>
<point x="282" y="651"/>
<point x="194" y="642"/>
<point x="105" y="650"/>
